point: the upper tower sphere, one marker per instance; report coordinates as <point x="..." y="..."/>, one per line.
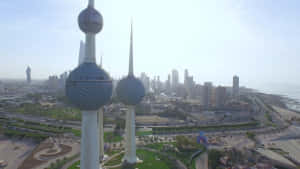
<point x="89" y="87"/>
<point x="90" y="20"/>
<point x="130" y="90"/>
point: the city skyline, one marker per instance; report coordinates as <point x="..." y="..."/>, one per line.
<point x="207" y="51"/>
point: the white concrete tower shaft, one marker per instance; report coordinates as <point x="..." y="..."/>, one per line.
<point x="101" y="134"/>
<point x="89" y="153"/>
<point x="130" y="147"/>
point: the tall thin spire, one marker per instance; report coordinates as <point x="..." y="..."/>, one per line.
<point x="131" y="53"/>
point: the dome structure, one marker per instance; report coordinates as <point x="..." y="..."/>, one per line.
<point x="130" y="90"/>
<point x="90" y="21"/>
<point x="89" y="87"/>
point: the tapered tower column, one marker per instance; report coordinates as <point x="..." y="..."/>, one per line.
<point x="101" y="134"/>
<point x="89" y="87"/>
<point x="130" y="149"/>
<point x="130" y="91"/>
<point x="89" y="141"/>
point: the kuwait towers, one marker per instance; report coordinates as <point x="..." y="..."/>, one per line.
<point x="89" y="88"/>
<point x="130" y="91"/>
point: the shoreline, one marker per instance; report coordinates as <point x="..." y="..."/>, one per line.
<point x="291" y="103"/>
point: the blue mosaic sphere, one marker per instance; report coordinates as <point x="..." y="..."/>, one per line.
<point x="130" y="90"/>
<point x="89" y="87"/>
<point x="90" y="21"/>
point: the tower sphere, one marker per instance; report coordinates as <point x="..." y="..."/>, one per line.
<point x="130" y="90"/>
<point x="90" y="20"/>
<point x="89" y="87"/>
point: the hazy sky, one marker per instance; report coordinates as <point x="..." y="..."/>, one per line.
<point x="215" y="39"/>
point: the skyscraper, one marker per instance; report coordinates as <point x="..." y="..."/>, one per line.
<point x="207" y="94"/>
<point x="235" y="87"/>
<point x="146" y="81"/>
<point x="186" y="76"/>
<point x="220" y="96"/>
<point x="2" y="89"/>
<point x="175" y="79"/>
<point x="189" y="84"/>
<point x="89" y="87"/>
<point x="130" y="91"/>
<point x="168" y="85"/>
<point x="28" y="75"/>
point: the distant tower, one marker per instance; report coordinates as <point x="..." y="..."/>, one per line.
<point x="235" y="87"/>
<point x="220" y="96"/>
<point x="89" y="87"/>
<point x="175" y="79"/>
<point x="207" y="94"/>
<point x="186" y="76"/>
<point x="168" y="85"/>
<point x="81" y="53"/>
<point x="28" y="75"/>
<point x="130" y="91"/>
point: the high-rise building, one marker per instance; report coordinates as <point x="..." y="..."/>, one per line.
<point x="168" y="85"/>
<point x="28" y="75"/>
<point x="189" y="84"/>
<point x="235" y="87"/>
<point x="130" y="91"/>
<point x="186" y="76"/>
<point x="175" y="79"/>
<point x="89" y="87"/>
<point x="146" y="81"/>
<point x="2" y="89"/>
<point x="207" y="94"/>
<point x="220" y="96"/>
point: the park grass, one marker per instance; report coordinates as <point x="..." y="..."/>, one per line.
<point x="76" y="132"/>
<point x="74" y="166"/>
<point x="59" y="113"/>
<point x="115" y="161"/>
<point x="151" y="160"/>
<point x="156" y="146"/>
<point x="109" y="137"/>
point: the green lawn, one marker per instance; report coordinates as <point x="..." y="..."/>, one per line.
<point x="115" y="161"/>
<point x="111" y="137"/>
<point x="156" y="146"/>
<point x="74" y="166"/>
<point x="60" y="113"/>
<point x="151" y="160"/>
<point x="76" y="132"/>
